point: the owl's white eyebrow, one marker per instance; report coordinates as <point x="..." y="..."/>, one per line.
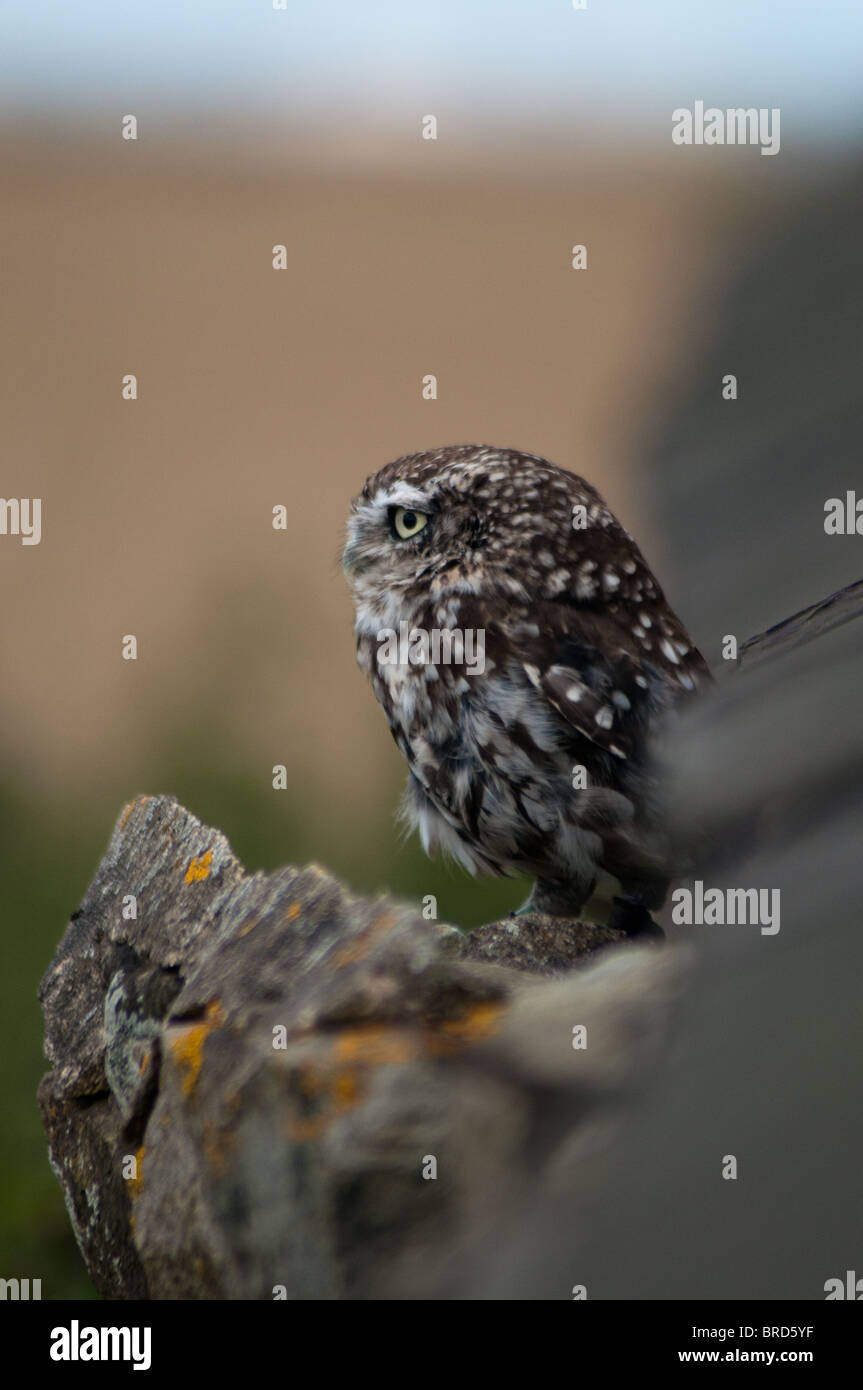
<point x="400" y="495"/>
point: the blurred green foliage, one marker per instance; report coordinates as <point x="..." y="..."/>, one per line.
<point x="49" y="851"/>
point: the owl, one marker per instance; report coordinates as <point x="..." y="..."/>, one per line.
<point x="522" y="651"/>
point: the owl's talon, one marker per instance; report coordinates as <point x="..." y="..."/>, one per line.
<point x="634" y="920"/>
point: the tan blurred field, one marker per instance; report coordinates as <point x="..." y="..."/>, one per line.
<point x="259" y="387"/>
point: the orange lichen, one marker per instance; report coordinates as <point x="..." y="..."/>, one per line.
<point x="338" y="1086"/>
<point x="327" y="1089"/>
<point x="136" y="1184"/>
<point x="330" y="1092"/>
<point x="188" y="1052"/>
<point x="345" y="1089"/>
<point x="374" y="1044"/>
<point x="199" y="868"/>
<point x="362" y="945"/>
<point x="187" y="1047"/>
<point x="293" y="912"/>
<point x="453" y="1034"/>
<point x="478" y="1022"/>
<point x="130" y="807"/>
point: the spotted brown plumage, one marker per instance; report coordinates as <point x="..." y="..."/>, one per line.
<point x="581" y="654"/>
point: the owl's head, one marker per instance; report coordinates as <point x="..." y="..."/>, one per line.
<point x="466" y="518"/>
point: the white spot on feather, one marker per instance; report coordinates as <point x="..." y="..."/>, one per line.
<point x="667" y="650"/>
<point x="532" y="674"/>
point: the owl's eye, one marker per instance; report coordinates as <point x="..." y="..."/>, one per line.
<point x="406" y="522"/>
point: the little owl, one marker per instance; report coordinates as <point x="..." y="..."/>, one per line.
<point x="522" y="650"/>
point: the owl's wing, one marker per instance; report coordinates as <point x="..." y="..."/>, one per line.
<point x="600" y="669"/>
<point x="611" y="651"/>
<point x="603" y="691"/>
<point x="598" y="700"/>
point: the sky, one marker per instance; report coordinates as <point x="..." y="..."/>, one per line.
<point x="618" y="63"/>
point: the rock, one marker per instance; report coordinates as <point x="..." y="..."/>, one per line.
<point x="538" y="942"/>
<point x="262" y="1085"/>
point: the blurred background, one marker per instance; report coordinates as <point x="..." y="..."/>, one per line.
<point x="257" y="387"/>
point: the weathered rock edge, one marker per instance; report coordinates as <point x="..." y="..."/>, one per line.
<point x="200" y="1161"/>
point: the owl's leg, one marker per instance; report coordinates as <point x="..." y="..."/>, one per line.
<point x="558" y="897"/>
